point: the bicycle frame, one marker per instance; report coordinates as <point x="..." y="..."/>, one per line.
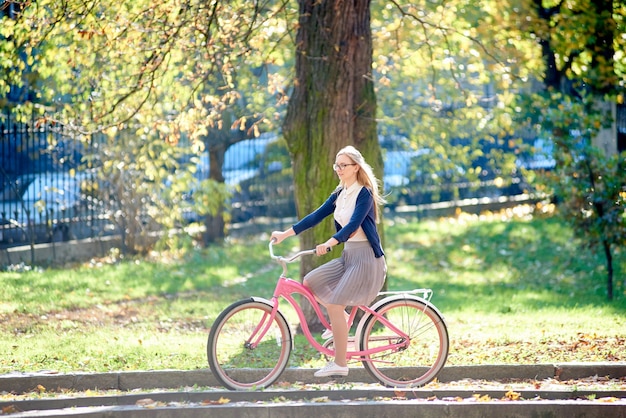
<point x="286" y="288"/>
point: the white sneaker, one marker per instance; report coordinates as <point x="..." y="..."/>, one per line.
<point x="327" y="334"/>
<point x="332" y="369"/>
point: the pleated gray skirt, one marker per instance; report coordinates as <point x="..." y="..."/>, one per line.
<point x="353" y="279"/>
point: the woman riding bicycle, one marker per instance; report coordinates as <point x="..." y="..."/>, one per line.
<point x="358" y="275"/>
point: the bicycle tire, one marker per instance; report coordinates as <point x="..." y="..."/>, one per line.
<point x="426" y="352"/>
<point x="233" y="362"/>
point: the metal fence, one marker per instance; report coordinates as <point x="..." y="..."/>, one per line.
<point x="45" y="189"/>
<point x="43" y="194"/>
<point x="48" y="195"/>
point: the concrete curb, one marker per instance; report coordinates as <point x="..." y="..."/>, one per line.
<point x="392" y="408"/>
<point x="18" y="383"/>
<point x="347" y="400"/>
<point x="355" y="393"/>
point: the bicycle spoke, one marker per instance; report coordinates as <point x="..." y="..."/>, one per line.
<point x="237" y="342"/>
<point x="415" y="353"/>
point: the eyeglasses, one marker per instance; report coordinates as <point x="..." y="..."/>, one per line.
<point x="338" y="167"/>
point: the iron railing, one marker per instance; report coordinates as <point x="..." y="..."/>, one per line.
<point x="44" y="192"/>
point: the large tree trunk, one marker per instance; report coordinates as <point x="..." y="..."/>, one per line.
<point x="333" y="104"/>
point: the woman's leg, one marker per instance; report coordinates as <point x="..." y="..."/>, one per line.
<point x="324" y="279"/>
<point x="336" y="314"/>
<point x="346" y="316"/>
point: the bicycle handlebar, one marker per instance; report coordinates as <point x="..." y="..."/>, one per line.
<point x="291" y="259"/>
<point x="284" y="260"/>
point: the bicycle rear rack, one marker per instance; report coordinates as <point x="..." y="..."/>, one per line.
<point x="426" y="294"/>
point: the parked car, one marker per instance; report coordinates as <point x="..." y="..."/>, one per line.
<point x="246" y="164"/>
<point x="397" y="167"/>
<point x="45" y="207"/>
<point x="540" y="157"/>
<point x="242" y="160"/>
<point x="419" y="176"/>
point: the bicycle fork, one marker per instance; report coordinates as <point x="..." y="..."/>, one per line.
<point x="261" y="329"/>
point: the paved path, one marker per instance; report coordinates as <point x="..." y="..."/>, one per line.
<point x="174" y="393"/>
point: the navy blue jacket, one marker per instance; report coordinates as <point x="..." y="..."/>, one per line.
<point x="363" y="216"/>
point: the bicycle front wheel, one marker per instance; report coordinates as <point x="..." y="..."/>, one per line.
<point x="421" y="350"/>
<point x="237" y="358"/>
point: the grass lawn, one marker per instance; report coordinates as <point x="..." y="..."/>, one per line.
<point x="513" y="289"/>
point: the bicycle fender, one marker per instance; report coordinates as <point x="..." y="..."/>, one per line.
<point x="262" y="300"/>
<point x="267" y="302"/>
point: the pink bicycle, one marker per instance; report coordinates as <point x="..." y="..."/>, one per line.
<point x="402" y="339"/>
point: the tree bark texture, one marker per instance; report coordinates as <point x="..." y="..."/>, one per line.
<point x="332" y="105"/>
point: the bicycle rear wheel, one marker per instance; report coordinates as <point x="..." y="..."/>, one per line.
<point x="420" y="358"/>
<point x="233" y="359"/>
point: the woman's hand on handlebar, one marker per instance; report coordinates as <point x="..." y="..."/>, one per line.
<point x="324" y="248"/>
<point x="279" y="236"/>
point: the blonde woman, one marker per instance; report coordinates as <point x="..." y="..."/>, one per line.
<point x="357" y="276"/>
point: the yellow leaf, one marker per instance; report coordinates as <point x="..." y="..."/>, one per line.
<point x="220" y="401"/>
<point x="320" y="399"/>
<point x="483" y="398"/>
<point x="513" y="396"/>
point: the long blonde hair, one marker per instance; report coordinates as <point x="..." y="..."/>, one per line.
<point x="364" y="176"/>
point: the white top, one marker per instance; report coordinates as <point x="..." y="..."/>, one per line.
<point x="344" y="208"/>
